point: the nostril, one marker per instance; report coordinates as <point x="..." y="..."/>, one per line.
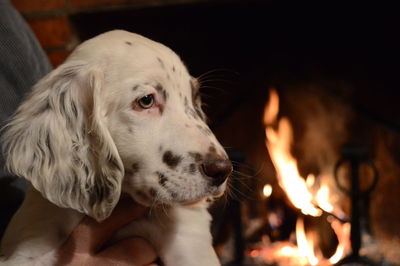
<point x="218" y="170"/>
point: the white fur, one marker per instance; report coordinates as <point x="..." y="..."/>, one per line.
<point x="81" y="140"/>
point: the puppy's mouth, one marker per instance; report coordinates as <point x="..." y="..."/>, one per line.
<point x="193" y="203"/>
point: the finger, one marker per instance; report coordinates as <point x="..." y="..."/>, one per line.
<point x="132" y="251"/>
<point x="90" y="235"/>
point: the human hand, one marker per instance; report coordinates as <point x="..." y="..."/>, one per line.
<point x="83" y="247"/>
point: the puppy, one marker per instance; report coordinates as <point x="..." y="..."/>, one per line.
<point x="121" y="115"/>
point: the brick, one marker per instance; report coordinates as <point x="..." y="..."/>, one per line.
<point x="53" y="32"/>
<point x="32" y="6"/>
<point x="92" y="3"/>
<point x="57" y="57"/>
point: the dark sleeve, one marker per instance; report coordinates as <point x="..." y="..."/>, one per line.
<point x="22" y="63"/>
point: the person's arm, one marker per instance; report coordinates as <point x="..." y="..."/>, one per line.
<point x="84" y="246"/>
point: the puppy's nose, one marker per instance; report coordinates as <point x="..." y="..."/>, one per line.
<point x="218" y="170"/>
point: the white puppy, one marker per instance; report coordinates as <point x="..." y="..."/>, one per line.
<point x="121" y="115"/>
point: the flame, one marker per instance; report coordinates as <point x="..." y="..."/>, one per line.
<point x="343" y="234"/>
<point x="278" y="143"/>
<point x="272" y="109"/>
<point x="322" y="198"/>
<point x="306" y="247"/>
<point x="299" y="190"/>
<point x="267" y="190"/>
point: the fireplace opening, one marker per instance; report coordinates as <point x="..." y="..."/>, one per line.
<point x="332" y="68"/>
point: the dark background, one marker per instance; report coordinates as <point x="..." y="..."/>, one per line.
<point x="256" y="44"/>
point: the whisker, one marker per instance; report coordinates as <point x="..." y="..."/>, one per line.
<point x="211" y="87"/>
<point x="232" y="189"/>
<point x="152" y="206"/>
<point x="241" y="175"/>
<point x="242" y="183"/>
<point x="230" y="192"/>
<point x="164" y="209"/>
<point x="217" y="70"/>
<point x="215" y="79"/>
<point x="244" y="165"/>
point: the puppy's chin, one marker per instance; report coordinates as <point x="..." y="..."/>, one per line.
<point x="192" y="204"/>
<point x="219" y="191"/>
<point x="219" y="194"/>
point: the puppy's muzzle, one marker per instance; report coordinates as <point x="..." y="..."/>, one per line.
<point x="217" y="170"/>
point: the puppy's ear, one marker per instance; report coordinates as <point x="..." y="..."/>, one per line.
<point x="59" y="141"/>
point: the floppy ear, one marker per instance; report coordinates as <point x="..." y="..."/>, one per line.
<point x="58" y="140"/>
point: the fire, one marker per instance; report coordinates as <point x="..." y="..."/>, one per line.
<point x="278" y="144"/>
<point x="322" y="198"/>
<point x="306" y="247"/>
<point x="343" y="233"/>
<point x="267" y="190"/>
<point x="300" y="191"/>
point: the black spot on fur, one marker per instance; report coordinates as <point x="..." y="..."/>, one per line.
<point x="204" y="129"/>
<point x="135" y="87"/>
<point x="174" y="195"/>
<point x="165" y="95"/>
<point x="161" y="62"/>
<point x="135" y="168"/>
<point x="196" y="156"/>
<point x="159" y="88"/>
<point x="192" y="168"/>
<point x="153" y="192"/>
<point x="162" y="92"/>
<point x="128" y="43"/>
<point x="173" y="69"/>
<point x="162" y="179"/>
<point x="212" y="148"/>
<point x="212" y="153"/>
<point x="192" y="113"/>
<point x="171" y="160"/>
<point x="199" y="113"/>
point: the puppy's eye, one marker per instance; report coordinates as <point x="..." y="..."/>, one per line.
<point x="146" y="102"/>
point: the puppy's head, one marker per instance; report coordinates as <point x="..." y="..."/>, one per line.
<point x="122" y="113"/>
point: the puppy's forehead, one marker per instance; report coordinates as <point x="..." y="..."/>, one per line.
<point x="120" y="45"/>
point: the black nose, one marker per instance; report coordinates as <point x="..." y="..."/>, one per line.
<point x="218" y="170"/>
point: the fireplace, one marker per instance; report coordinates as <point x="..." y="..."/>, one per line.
<point x="332" y="69"/>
